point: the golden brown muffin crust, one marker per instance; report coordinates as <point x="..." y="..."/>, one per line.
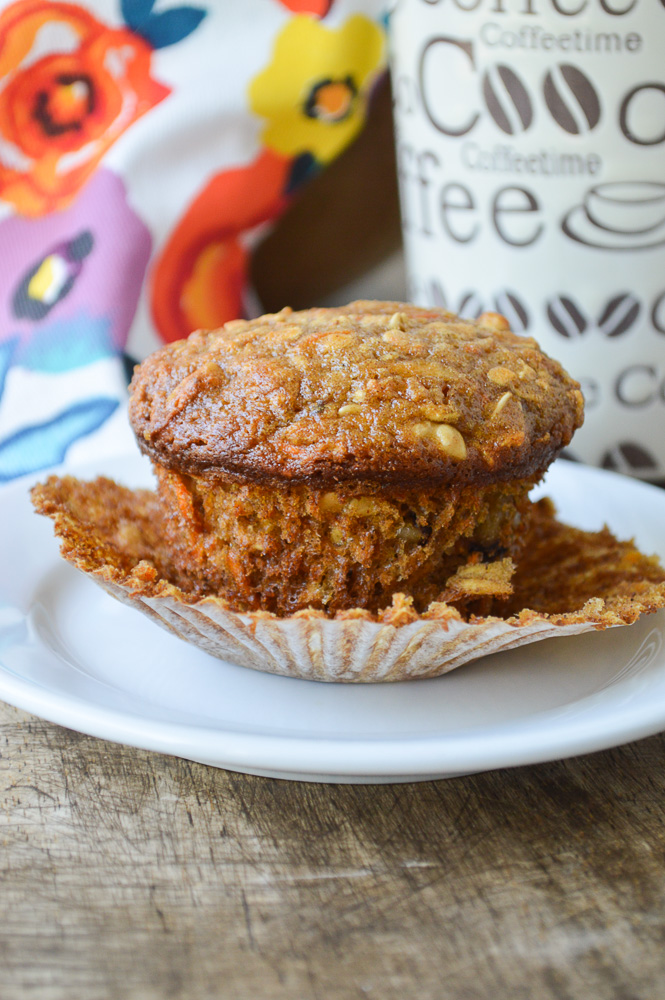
<point x="379" y="391"/>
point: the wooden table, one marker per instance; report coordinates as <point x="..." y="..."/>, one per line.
<point x="132" y="875"/>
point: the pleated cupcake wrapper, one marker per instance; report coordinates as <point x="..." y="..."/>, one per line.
<point x="108" y="532"/>
<point x="351" y="650"/>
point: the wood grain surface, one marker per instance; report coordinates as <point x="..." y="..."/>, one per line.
<point x="134" y="875"/>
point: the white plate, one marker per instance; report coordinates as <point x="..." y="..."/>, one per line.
<point x="73" y="655"/>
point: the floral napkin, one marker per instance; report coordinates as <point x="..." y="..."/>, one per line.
<point x="143" y="147"/>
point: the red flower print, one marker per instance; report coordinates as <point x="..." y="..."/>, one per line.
<point x="61" y="111"/>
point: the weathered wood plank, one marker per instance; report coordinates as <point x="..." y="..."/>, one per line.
<point x="131" y="874"/>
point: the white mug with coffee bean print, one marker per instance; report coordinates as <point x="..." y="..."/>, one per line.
<point x="531" y="153"/>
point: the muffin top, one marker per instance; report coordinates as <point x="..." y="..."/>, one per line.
<point x="377" y="391"/>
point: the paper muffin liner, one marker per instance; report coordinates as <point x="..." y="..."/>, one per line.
<point x="591" y="580"/>
<point x="332" y="650"/>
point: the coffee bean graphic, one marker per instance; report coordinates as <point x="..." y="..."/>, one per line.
<point x="619" y="315"/>
<point x="565" y="317"/>
<point x="571" y="99"/>
<point x="631" y="458"/>
<point x="470" y="305"/>
<point x="658" y="309"/>
<point x="515" y="312"/>
<point x="507" y="99"/>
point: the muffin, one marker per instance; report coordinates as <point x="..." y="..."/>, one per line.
<point x="332" y="458"/>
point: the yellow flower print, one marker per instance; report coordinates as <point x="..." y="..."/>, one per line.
<point x="314" y="92"/>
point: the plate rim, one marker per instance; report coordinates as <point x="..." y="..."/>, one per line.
<point x="404" y="756"/>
